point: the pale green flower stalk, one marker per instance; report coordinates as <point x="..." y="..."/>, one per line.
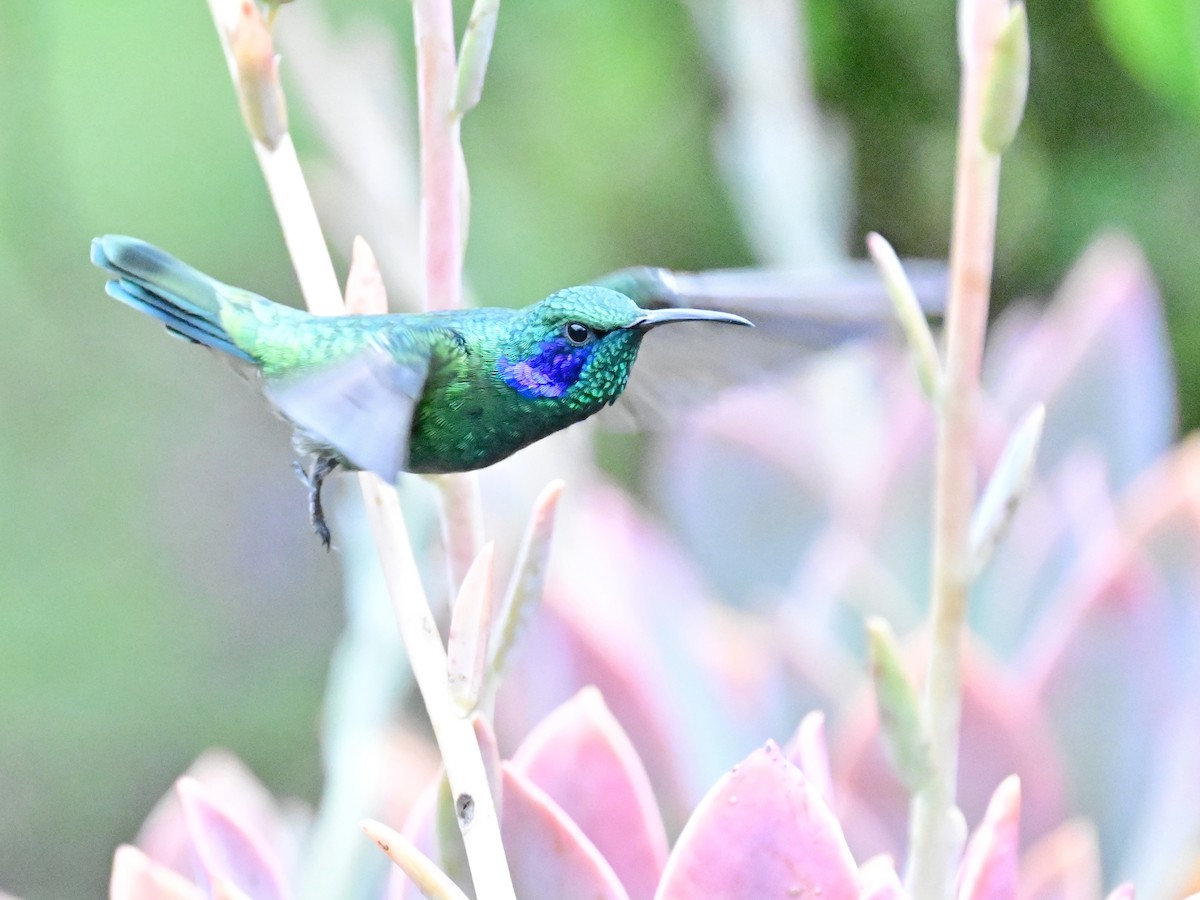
<point x="245" y="38"/>
<point x="994" y="73"/>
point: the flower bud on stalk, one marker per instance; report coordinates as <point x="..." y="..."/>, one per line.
<point x="260" y="94"/>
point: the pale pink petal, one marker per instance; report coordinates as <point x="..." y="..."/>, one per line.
<point x="135" y="876"/>
<point x="549" y="857"/>
<point x="989" y="865"/>
<point x="580" y="756"/>
<point x="224" y="850"/>
<point x="761" y="831"/>
<point x="1123" y="892"/>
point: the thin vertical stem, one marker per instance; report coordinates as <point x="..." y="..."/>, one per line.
<point x="455" y="735"/>
<point x="935" y="832"/>
<point x="443" y="230"/>
<point x="442" y="189"/>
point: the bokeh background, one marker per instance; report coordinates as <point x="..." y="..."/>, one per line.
<point x="160" y="592"/>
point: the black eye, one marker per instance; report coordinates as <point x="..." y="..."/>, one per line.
<point x="578" y="333"/>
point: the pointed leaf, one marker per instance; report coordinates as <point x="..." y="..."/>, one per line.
<point x="431" y="881"/>
<point x="1007" y="486"/>
<point x="224" y="850"/>
<point x="1007" y="82"/>
<point x="809" y="752"/>
<point x="470" y="627"/>
<point x="135" y="876"/>
<point x="528" y="579"/>
<point x="165" y="836"/>
<point x="365" y="293"/>
<point x="900" y="722"/>
<point x="550" y="858"/>
<point x="613" y="804"/>
<point x="909" y="313"/>
<point x="989" y="866"/>
<point x="473" y="56"/>
<point x="762" y="831"/>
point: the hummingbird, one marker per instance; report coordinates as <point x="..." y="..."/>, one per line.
<point x="435" y="392"/>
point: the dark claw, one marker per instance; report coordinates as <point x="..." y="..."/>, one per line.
<point x="313" y="479"/>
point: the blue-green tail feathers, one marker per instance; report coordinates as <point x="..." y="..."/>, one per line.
<point x="188" y="302"/>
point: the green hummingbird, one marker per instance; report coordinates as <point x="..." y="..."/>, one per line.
<point x="435" y="392"/>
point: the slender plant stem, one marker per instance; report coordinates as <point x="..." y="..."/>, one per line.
<point x="935" y="833"/>
<point x="443" y="197"/>
<point x="455" y="735"/>
<point x="443" y="229"/>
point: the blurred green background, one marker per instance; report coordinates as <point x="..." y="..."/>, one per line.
<point x="159" y="590"/>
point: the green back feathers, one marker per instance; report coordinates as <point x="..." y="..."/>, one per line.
<point x="438" y="392"/>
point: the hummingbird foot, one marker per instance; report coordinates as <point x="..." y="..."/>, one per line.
<point x="312" y="479"/>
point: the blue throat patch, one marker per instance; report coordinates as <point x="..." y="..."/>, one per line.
<point x="548" y="373"/>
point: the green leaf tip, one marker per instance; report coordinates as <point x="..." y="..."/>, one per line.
<point x="1007" y="82"/>
<point x="470" y="630"/>
<point x="905" y="737"/>
<point x="474" y="53"/>
<point x="1008" y="484"/>
<point x="908" y="312"/>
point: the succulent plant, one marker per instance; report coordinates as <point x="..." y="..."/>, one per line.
<point x="646" y="716"/>
<point x="642" y="692"/>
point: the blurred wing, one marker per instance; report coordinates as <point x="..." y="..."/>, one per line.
<point x="362" y="406"/>
<point x="795" y="313"/>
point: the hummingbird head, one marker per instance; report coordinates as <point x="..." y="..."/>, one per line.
<point x="579" y="345"/>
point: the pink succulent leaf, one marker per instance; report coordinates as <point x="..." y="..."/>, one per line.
<point x="582" y="758"/>
<point x="761" y="831"/>
<point x="1063" y="865"/>
<point x="224" y="851"/>
<point x="1099" y="360"/>
<point x="1122" y="626"/>
<point x="878" y="880"/>
<point x="645" y="633"/>
<point x="549" y="857"/>
<point x="989" y="868"/>
<point x="419" y="830"/>
<point x="808" y="751"/>
<point x="165" y="836"/>
<point x="1123" y="892"/>
<point x="135" y="876"/>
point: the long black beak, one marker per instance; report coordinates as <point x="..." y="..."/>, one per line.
<point x="655" y="317"/>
